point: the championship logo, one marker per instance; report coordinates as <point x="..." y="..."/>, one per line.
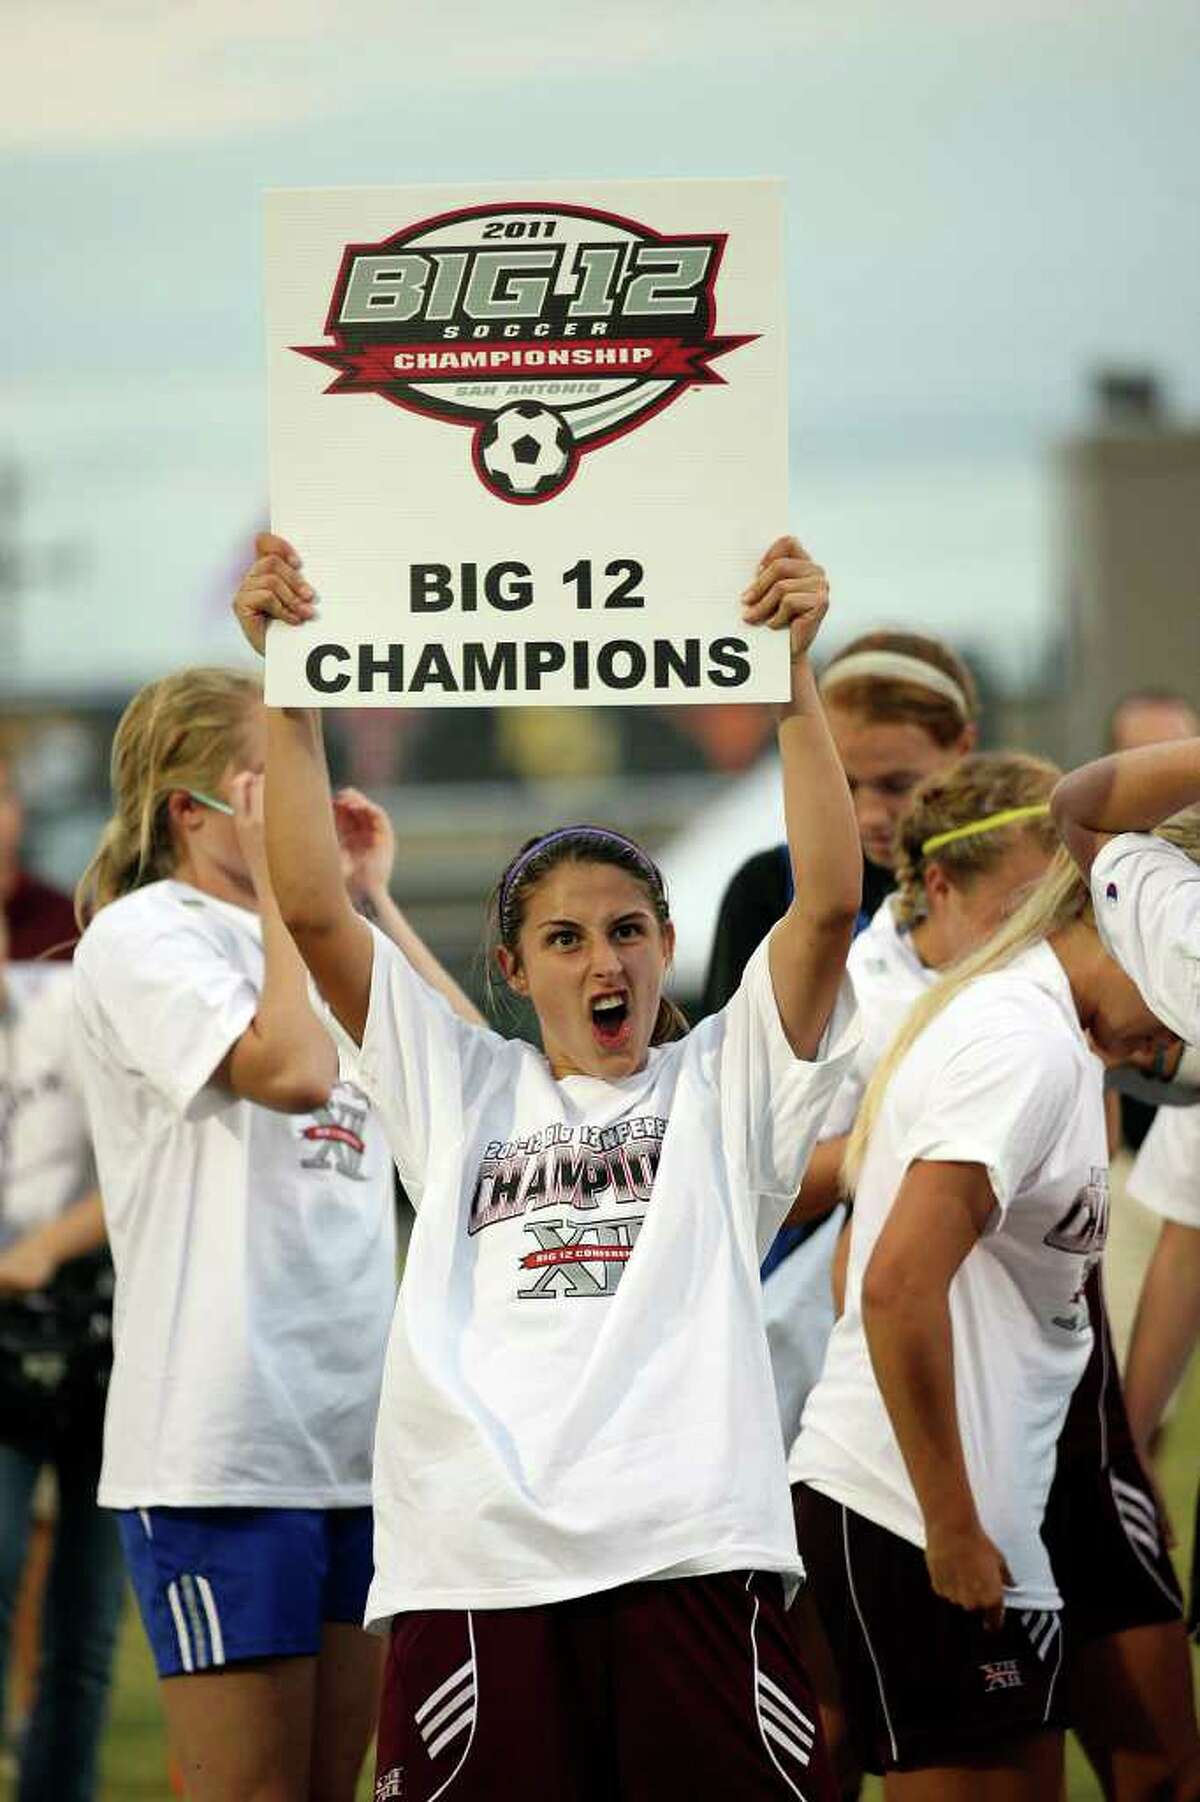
<point x="549" y="330"/>
<point x="336" y="1133"/>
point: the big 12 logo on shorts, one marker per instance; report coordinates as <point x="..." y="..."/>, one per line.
<point x="549" y="330"/>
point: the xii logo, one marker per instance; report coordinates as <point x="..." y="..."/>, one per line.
<point x="577" y="1260"/>
<point x="336" y="1133"/>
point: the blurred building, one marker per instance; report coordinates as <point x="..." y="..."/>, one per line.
<point x="1127" y="560"/>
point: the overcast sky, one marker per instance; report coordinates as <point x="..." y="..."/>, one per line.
<point x="986" y="199"/>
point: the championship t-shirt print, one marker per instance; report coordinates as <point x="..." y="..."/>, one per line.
<point x="577" y="1391"/>
<point x="546" y="1177"/>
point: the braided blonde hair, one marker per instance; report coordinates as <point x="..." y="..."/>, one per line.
<point x="977" y="787"/>
<point x="182" y="731"/>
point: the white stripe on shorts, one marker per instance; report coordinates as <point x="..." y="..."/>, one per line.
<point x="187" y="1589"/>
<point x="787" y="1723"/>
<point x="767" y="1729"/>
<point x="443" y="1689"/>
<point x="471" y="1667"/>
<point x="771" y="1731"/>
<point x="784" y="1701"/>
<point x="866" y="1636"/>
<point x="1041" y="1625"/>
<point x="1057" y="1669"/>
<point x="1137" y="1538"/>
<point x="463" y="1697"/>
<point x="216" y="1639"/>
<point x="185" y="1650"/>
<point x="1136" y="1500"/>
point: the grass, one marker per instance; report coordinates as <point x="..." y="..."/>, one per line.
<point x="135" y="1755"/>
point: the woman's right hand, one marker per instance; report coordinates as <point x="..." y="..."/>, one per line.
<point x="967" y="1569"/>
<point x="272" y="588"/>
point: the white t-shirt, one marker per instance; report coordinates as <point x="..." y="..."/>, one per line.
<point x="888" y="976"/>
<point x="1002" y="1077"/>
<point x="1146" y="894"/>
<point x="254" y="1250"/>
<point x="1166" y="1174"/>
<point x="45" y="1148"/>
<point x="577" y="1392"/>
<point x="798" y="1312"/>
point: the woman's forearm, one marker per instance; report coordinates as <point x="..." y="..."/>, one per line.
<point x="1131" y="791"/>
<point x="821" y="1187"/>
<point x="292" y="1055"/>
<point x="302" y="847"/>
<point x="77" y="1231"/>
<point x="1165" y="1329"/>
<point x="912" y="1353"/>
<point x="822" y="834"/>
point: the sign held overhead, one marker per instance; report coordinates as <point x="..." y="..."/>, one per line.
<point x="466" y="543"/>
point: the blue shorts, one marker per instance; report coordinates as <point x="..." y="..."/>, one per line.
<point x="217" y="1585"/>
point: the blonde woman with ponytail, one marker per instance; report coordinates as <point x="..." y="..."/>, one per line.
<point x="248" y="1196"/>
<point x="978" y="1163"/>
<point x="972" y="838"/>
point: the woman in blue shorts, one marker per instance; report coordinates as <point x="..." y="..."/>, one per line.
<point x="248" y="1196"/>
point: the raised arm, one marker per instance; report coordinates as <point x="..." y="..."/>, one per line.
<point x="368" y="847"/>
<point x="1131" y="791"/>
<point x="302" y="847"/>
<point x="939" y="1213"/>
<point x="285" y="1058"/>
<point x="809" y="945"/>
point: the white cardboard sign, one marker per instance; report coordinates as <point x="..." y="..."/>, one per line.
<point x="530" y="441"/>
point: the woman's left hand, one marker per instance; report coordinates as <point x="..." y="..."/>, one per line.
<point x="367" y="843"/>
<point x="788" y="590"/>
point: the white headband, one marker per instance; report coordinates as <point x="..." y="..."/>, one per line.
<point x="899" y="668"/>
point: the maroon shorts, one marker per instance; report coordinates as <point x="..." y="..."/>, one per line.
<point x="688" y="1687"/>
<point x="922" y="1682"/>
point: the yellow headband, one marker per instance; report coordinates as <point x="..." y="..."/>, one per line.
<point x="991" y="823"/>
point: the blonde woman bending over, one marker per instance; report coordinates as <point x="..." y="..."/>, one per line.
<point x="979" y="1167"/>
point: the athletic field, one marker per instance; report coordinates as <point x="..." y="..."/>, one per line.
<point x="135" y="1764"/>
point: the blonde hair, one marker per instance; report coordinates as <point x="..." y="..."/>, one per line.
<point x="977" y="787"/>
<point x="891" y="700"/>
<point x="182" y="731"/>
<point x="1062" y="896"/>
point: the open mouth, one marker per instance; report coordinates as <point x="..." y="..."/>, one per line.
<point x="610" y="1020"/>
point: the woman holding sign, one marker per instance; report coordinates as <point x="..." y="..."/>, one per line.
<point x="577" y="1400"/>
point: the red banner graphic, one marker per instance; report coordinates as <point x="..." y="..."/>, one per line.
<point x="659" y="359"/>
<point x="340" y="1133"/>
<point x="577" y="1254"/>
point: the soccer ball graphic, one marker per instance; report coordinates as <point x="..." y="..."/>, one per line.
<point x="525" y="452"/>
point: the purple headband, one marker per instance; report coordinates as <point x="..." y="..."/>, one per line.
<point x="552" y="838"/>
